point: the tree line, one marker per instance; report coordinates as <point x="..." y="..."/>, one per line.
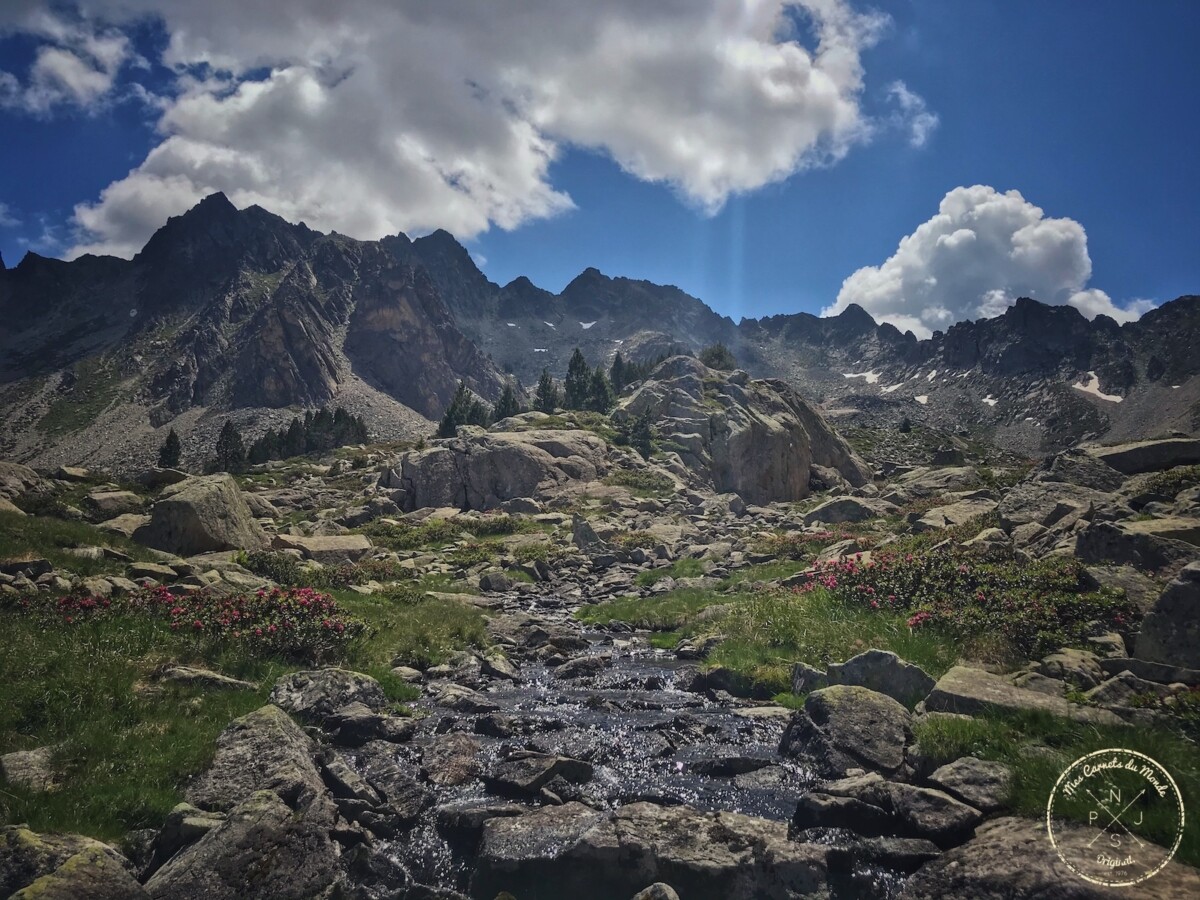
<point x="585" y="389"/>
<point x="316" y="433"/>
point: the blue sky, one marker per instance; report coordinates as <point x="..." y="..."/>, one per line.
<point x="1088" y="110"/>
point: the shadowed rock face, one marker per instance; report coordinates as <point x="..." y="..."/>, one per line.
<point x="238" y="308"/>
<point x="757" y="439"/>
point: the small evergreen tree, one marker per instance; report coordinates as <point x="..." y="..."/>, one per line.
<point x="293" y="441"/>
<point x="641" y="435"/>
<point x="457" y="412"/>
<point x="905" y="425"/>
<point x="231" y="454"/>
<point x="578" y="385"/>
<point x="718" y="356"/>
<point x="546" y="398"/>
<point x="507" y="405"/>
<point x="616" y="373"/>
<point x="170" y="451"/>
<point x="479" y="413"/>
<point x="600" y="393"/>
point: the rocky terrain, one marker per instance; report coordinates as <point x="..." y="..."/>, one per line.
<point x="529" y="662"/>
<point x="238" y="314"/>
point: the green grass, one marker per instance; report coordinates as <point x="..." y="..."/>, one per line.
<point x="97" y="385"/>
<point x="126" y="754"/>
<point x="1040" y="747"/>
<point x="642" y="483"/>
<point x="769" y="631"/>
<point x="681" y="568"/>
<point x="419" y="634"/>
<point x="31" y="537"/>
<point x="668" y="612"/>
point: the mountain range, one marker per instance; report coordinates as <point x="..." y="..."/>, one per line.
<point x="238" y="313"/>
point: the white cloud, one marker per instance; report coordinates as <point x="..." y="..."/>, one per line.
<point x="973" y="259"/>
<point x="375" y="116"/>
<point x="76" y="65"/>
<point x="912" y="114"/>
<point x="7" y="218"/>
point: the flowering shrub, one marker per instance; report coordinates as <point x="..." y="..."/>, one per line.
<point x="1035" y="607"/>
<point x="292" y="622"/>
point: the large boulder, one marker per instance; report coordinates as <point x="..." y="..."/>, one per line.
<point x="263" y="849"/>
<point x="973" y="691"/>
<point x="1012" y="859"/>
<point x="574" y="851"/>
<point x="482" y="471"/>
<point x="330" y="549"/>
<point x="758" y="439"/>
<point x="849" y="509"/>
<point x="1149" y="456"/>
<point x="95" y="873"/>
<point x="16" y="479"/>
<point x="201" y="515"/>
<point x="1171" y="632"/>
<point x="846" y="727"/>
<point x="883" y="672"/>
<point x="317" y="694"/>
<point x="1149" y="544"/>
<point x="263" y="750"/>
<point x="1051" y="504"/>
<point x="26" y="856"/>
<point x="1076" y="466"/>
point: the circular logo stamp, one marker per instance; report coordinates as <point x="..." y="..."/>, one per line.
<point x="1115" y="817"/>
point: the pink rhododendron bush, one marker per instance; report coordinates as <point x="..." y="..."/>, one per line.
<point x="299" y="623"/>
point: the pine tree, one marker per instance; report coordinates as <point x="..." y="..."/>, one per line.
<point x="616" y="373"/>
<point x="718" y="356"/>
<point x="231" y="454"/>
<point x="170" y="451"/>
<point x="641" y="436"/>
<point x="507" y="405"/>
<point x="578" y="385"/>
<point x="546" y="398"/>
<point x="600" y="393"/>
<point x="457" y="412"/>
<point x="293" y="441"/>
<point x="479" y="413"/>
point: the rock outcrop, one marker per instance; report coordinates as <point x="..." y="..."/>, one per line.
<point x="200" y="515"/>
<point x="755" y="438"/>
<point x="483" y="470"/>
<point x="1171" y="632"/>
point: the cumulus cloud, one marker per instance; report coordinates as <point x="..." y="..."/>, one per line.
<point x="982" y="251"/>
<point x="76" y="65"/>
<point x="912" y="114"/>
<point x="374" y="116"/>
<point x="7" y="218"/>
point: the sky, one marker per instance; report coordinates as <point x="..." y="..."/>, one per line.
<point x="930" y="160"/>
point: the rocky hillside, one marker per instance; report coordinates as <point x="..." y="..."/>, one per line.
<point x="338" y="677"/>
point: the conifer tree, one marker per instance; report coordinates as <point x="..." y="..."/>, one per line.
<point x="546" y="398"/>
<point x="170" y="451"/>
<point x="231" y="453"/>
<point x="600" y="393"/>
<point x="641" y="436"/>
<point x="616" y="373"/>
<point x="293" y="441"/>
<point x="578" y="384"/>
<point x="507" y="405"/>
<point x="457" y="412"/>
